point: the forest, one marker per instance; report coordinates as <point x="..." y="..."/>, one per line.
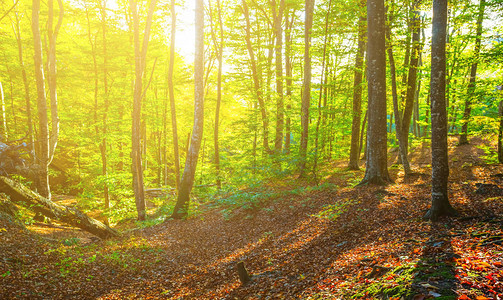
<point x="280" y="149"/>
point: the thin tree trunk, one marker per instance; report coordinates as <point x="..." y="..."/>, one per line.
<point x="219" y="47"/>
<point x="357" y="90"/>
<point x="52" y="75"/>
<point x="398" y="120"/>
<point x="289" y="79"/>
<point x="140" y="63"/>
<point x="103" y="146"/>
<point x="306" y="88"/>
<point x="172" y="95"/>
<point x="17" y="32"/>
<point x="323" y="81"/>
<point x="182" y="204"/>
<point x="43" y="137"/>
<point x="463" y="138"/>
<point x="5" y="134"/>
<point x="439" y="158"/>
<point x="280" y="109"/>
<point x="415" y="25"/>
<point x="255" y="77"/>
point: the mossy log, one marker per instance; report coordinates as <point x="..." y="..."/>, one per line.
<point x="21" y="195"/>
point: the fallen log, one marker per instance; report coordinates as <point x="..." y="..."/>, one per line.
<point x="23" y="196"/>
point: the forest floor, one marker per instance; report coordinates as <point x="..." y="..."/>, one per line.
<point x="331" y="241"/>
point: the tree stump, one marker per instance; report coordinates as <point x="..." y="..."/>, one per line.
<point x="244" y="277"/>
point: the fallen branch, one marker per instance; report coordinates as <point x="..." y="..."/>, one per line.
<point x="21" y="195"/>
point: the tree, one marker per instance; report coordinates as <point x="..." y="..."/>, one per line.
<point x="182" y="204"/>
<point x="255" y="77"/>
<point x="140" y="63"/>
<point x="43" y="123"/>
<point x="280" y="109"/>
<point x="306" y="87"/>
<point x="376" y="171"/>
<point x="463" y="137"/>
<point x="402" y="143"/>
<point x="440" y="205"/>
<point x="171" y="93"/>
<point x="354" y="152"/>
<point x="219" y="45"/>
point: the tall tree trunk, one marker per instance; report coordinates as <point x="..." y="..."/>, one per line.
<point x="415" y="24"/>
<point x="354" y="152"/>
<point x="376" y="171"/>
<point x="280" y="109"/>
<point x="5" y="133"/>
<point x="182" y="204"/>
<point x="140" y="62"/>
<point x="306" y="88"/>
<point x="402" y="148"/>
<point x="289" y="79"/>
<point x="323" y="81"/>
<point x="500" y="131"/>
<point x="26" y="85"/>
<point x="463" y="137"/>
<point x="219" y="46"/>
<point x="172" y="95"/>
<point x="52" y="75"/>
<point x="43" y="136"/>
<point x="103" y="146"/>
<point x="439" y="158"/>
<point x="255" y="77"/>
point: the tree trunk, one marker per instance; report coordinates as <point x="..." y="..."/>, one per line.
<point x="182" y="204"/>
<point x="500" y="131"/>
<point x="43" y="136"/>
<point x="323" y="81"/>
<point x="376" y="171"/>
<point x="306" y="88"/>
<point x="415" y="24"/>
<point x="288" y="73"/>
<point x="357" y="90"/>
<point x="21" y="195"/>
<point x="463" y="138"/>
<point x="280" y="109"/>
<point x="172" y="95"/>
<point x="439" y="158"/>
<point x="140" y="62"/>
<point x="255" y="77"/>
<point x="219" y="46"/>
<point x="103" y="146"/>
<point x="402" y="144"/>
<point x="52" y="75"/>
<point x="26" y="85"/>
<point x="5" y="134"/>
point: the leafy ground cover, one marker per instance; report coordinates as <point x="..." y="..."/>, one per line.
<point x="331" y="241"/>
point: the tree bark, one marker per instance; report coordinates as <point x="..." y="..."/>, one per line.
<point x="43" y="136"/>
<point x="255" y="77"/>
<point x="439" y="158"/>
<point x="415" y="24"/>
<point x="288" y="81"/>
<point x="52" y="75"/>
<point x="323" y="81"/>
<point x="376" y="171"/>
<point x="402" y="148"/>
<point x="354" y="152"/>
<point x="280" y="109"/>
<point x="21" y="195"/>
<point x="182" y="204"/>
<point x="306" y="88"/>
<point x="140" y="62"/>
<point x="463" y="137"/>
